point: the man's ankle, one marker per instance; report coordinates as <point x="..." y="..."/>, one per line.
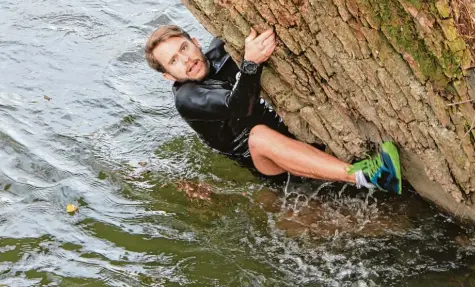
<point x="362" y="181"/>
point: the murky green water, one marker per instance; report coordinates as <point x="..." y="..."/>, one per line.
<point x="156" y="208"/>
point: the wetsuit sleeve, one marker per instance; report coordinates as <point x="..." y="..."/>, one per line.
<point x="202" y="102"/>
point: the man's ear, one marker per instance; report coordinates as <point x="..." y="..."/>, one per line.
<point x="195" y="41"/>
<point x="169" y="77"/>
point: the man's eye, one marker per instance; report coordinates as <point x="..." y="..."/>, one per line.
<point x="173" y="61"/>
<point x="184" y="48"/>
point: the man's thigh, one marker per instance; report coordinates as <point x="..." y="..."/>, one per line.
<point x="274" y="122"/>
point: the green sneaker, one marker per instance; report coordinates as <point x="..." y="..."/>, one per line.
<point x="383" y="169"/>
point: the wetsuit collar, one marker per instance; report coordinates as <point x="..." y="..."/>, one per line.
<point x="216" y="55"/>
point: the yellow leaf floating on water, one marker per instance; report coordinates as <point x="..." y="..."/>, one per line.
<point x="71" y="208"/>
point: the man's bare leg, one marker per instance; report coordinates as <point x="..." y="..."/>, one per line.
<point x="273" y="153"/>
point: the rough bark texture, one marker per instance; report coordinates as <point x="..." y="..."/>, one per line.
<point x="350" y="73"/>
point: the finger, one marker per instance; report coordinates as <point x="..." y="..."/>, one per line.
<point x="270" y="50"/>
<point x="269" y="41"/>
<point x="265" y="35"/>
<point x="251" y="36"/>
<point x="269" y="46"/>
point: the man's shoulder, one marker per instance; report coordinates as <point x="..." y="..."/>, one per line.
<point x="185" y="94"/>
<point x="183" y="90"/>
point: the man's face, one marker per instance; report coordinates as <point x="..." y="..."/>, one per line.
<point x="182" y="59"/>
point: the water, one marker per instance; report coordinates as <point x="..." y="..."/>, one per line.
<point x="83" y="120"/>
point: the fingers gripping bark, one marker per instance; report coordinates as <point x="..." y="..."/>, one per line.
<point x="258" y="49"/>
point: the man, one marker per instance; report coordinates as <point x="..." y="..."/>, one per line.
<point x="222" y="103"/>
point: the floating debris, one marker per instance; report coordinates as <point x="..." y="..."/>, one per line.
<point x="129" y="119"/>
<point x="102" y="175"/>
<point x="71" y="208"/>
<point x="46" y="98"/>
<point x="194" y="190"/>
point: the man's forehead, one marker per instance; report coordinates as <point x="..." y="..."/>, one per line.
<point x="168" y="48"/>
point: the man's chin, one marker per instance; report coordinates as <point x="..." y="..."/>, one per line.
<point x="199" y="77"/>
<point x="195" y="78"/>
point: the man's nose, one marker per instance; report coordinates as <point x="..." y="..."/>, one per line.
<point x="184" y="58"/>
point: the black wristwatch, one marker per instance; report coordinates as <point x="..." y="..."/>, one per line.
<point x="249" y="67"/>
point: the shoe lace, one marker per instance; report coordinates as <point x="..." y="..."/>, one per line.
<point x="368" y="166"/>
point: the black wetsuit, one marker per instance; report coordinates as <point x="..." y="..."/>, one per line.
<point x="225" y="105"/>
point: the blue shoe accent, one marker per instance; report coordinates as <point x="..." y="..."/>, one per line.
<point x="382" y="170"/>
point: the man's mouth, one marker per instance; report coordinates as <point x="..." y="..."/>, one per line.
<point x="193" y="67"/>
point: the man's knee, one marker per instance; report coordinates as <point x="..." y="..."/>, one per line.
<point x="258" y="136"/>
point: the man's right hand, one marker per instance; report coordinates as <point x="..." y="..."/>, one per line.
<point x="258" y="49"/>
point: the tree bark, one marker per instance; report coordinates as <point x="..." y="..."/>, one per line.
<point x="351" y="73"/>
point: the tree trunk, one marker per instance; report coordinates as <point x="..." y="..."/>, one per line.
<point x="350" y="73"/>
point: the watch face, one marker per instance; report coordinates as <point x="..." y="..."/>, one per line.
<point x="249" y="67"/>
